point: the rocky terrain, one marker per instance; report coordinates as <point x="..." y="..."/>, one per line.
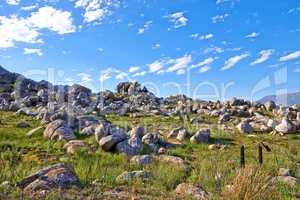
<point x="65" y="142"/>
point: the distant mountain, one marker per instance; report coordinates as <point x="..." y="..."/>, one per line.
<point x="292" y="98"/>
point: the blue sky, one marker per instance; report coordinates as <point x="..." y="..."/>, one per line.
<point x="195" y="47"/>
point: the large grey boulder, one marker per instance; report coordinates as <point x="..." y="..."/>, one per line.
<point x="109" y="142"/>
<point x="202" y="136"/>
<point x="245" y="127"/>
<point x="58" y="130"/>
<point x="45" y="180"/>
<point x="130" y="147"/>
<point x="285" y="127"/>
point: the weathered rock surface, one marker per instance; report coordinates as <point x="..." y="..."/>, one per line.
<point x="109" y="142"/>
<point x="245" y="127"/>
<point x="58" y="130"/>
<point x="141" y="160"/>
<point x="47" y="179"/>
<point x="174" y="160"/>
<point x="202" y="136"/>
<point x="134" y="175"/>
<point x="189" y="190"/>
<point x="72" y="146"/>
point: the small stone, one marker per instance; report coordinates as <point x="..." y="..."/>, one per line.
<point x="288" y="180"/>
<point x="285" y="172"/>
<point x="134" y="175"/>
<point x="23" y="124"/>
<point x="74" y="145"/>
<point x="216" y="147"/>
<point x="196" y="192"/>
<point x="174" y="160"/>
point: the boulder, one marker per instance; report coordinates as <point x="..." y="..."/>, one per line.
<point x="72" y="146"/>
<point x="270" y="105"/>
<point x="151" y="138"/>
<point x="58" y="130"/>
<point x="109" y="142"/>
<point x="285" y="172"/>
<point x="272" y="123"/>
<point x="174" y="161"/>
<point x="137" y="132"/>
<point x="130" y="147"/>
<point x="285" y="127"/>
<point x="101" y="131"/>
<point x="141" y="160"/>
<point x="182" y="135"/>
<point x="202" y="136"/>
<point x="174" y="132"/>
<point x="289" y="180"/>
<point x="43" y="181"/>
<point x="133" y="176"/>
<point x="224" y="118"/>
<point x="89" y="130"/>
<point x="189" y="190"/>
<point x="245" y="127"/>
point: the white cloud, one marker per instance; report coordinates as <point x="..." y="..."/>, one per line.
<point x="156" y="46"/>
<point x="252" y="35"/>
<point x="204" y="69"/>
<point x="145" y="27"/>
<point x="219" y="18"/>
<point x="121" y="76"/>
<point x="264" y="56"/>
<point x="134" y="69"/>
<point x="33" y="51"/>
<point x="100" y="49"/>
<point x="213" y="49"/>
<point x="207" y="61"/>
<point x="96" y="10"/>
<point x="157" y="65"/>
<point x="27" y="30"/>
<point x="28" y="8"/>
<point x="180" y="63"/>
<point x="56" y="20"/>
<point x="233" y="61"/>
<point x="291" y="56"/>
<point x="197" y="36"/>
<point x="14" y="30"/>
<point x="109" y="72"/>
<point x="85" y="78"/>
<point x="13" y="2"/>
<point x="178" y="19"/>
<point x="143" y="73"/>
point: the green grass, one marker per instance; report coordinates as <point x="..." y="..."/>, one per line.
<point x="21" y="155"/>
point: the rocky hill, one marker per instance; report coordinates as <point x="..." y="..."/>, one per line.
<point x="134" y="140"/>
<point x="292" y="98"/>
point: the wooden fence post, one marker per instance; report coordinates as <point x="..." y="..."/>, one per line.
<point x="260" y="153"/>
<point x="242" y="156"/>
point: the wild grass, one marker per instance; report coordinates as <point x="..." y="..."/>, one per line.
<point x="213" y="169"/>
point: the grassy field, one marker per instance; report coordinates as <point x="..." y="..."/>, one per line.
<point x="21" y="155"/>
